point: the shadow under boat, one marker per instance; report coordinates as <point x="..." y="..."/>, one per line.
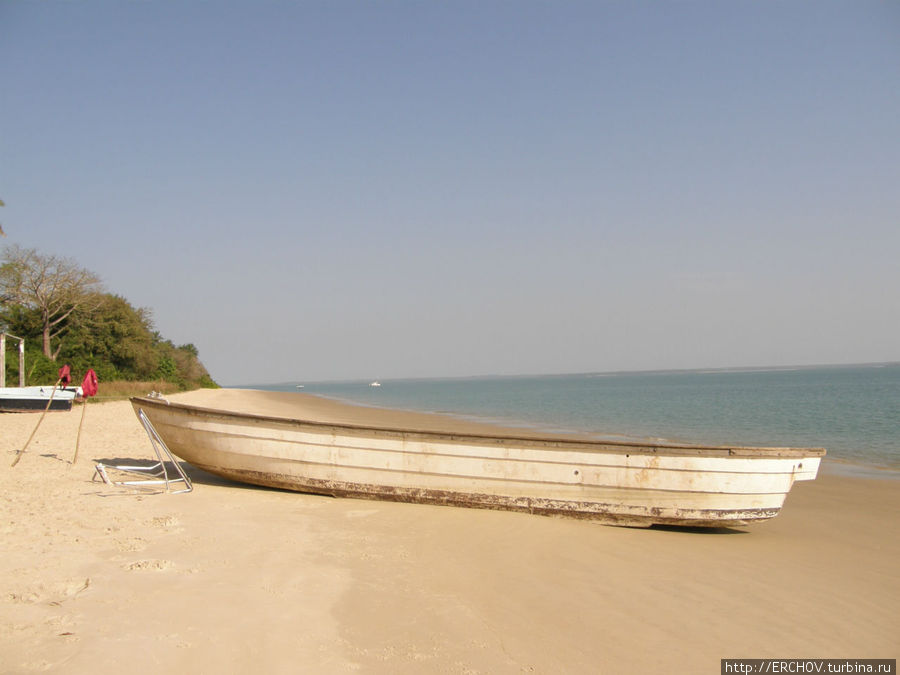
<point x="197" y="476"/>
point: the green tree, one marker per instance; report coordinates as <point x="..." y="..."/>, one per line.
<point x="90" y="328"/>
<point x="109" y="334"/>
<point x="52" y="287"/>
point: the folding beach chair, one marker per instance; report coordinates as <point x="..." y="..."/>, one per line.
<point x="158" y="471"/>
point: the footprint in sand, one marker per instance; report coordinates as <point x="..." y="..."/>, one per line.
<point x="55" y="592"/>
<point x="155" y="565"/>
<point x="164" y="522"/>
<point x="131" y="544"/>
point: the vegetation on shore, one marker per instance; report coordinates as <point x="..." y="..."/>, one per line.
<point x="66" y="317"/>
<point x="123" y="389"/>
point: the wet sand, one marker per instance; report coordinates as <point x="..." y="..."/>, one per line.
<point x="234" y="578"/>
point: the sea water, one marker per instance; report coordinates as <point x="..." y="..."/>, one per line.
<point x="852" y="411"/>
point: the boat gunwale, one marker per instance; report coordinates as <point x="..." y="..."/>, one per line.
<point x="39" y="392"/>
<point x="549" y="441"/>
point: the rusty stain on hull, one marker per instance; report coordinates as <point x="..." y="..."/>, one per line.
<point x="602" y="513"/>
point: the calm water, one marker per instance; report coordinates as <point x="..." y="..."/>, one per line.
<point x="853" y="411"/>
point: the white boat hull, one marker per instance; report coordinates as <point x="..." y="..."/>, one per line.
<point x="617" y="482"/>
<point x="36" y="399"/>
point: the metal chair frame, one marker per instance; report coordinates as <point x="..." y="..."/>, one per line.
<point x="159" y="471"/>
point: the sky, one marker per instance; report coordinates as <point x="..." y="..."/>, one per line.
<point x="337" y="189"/>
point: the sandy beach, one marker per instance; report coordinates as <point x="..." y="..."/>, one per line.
<point x="232" y="578"/>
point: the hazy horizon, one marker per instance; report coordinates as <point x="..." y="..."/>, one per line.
<point x="488" y="376"/>
<point x="336" y="191"/>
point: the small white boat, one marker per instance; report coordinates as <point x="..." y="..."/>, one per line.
<point x="35" y="399"/>
<point x="628" y="483"/>
<point x="376" y="383"/>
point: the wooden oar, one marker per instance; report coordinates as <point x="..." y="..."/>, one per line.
<point x="40" y="419"/>
<point x="88" y="389"/>
<point x="78" y="437"/>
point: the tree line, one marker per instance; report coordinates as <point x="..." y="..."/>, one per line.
<point x="66" y="316"/>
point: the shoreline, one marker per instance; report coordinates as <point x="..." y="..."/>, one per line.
<point x="844" y="467"/>
<point x="233" y="577"/>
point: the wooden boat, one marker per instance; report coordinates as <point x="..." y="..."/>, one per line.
<point x="627" y="483"/>
<point x="35" y="399"/>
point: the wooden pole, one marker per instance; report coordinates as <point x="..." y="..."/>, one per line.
<point x="21" y="452"/>
<point x="3" y="337"/>
<point x="80" y="424"/>
<point x="21" y="362"/>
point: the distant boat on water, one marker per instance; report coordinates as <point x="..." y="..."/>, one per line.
<point x="376" y="383"/>
<point x="618" y="482"/>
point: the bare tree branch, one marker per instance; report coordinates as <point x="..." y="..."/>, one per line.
<point x="53" y="286"/>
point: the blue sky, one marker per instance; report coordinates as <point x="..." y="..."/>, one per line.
<point x="330" y="190"/>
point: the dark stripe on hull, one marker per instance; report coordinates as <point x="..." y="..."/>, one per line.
<point x="604" y="513"/>
<point x="34" y="405"/>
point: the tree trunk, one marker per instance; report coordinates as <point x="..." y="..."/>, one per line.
<point x="45" y="335"/>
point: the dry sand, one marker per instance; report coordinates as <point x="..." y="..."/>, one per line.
<point x="234" y="579"/>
